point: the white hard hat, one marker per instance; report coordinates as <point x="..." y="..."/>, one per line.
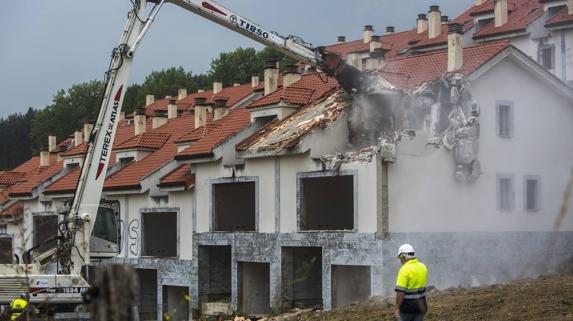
<point x="405" y="248"/>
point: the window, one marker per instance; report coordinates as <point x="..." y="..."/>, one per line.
<point x="159" y="234"/>
<point x="547" y="56"/>
<point x="326" y="202"/>
<point x="5" y="249"/>
<point x="482" y="23"/>
<point x="45" y="228"/>
<point x="554" y="10"/>
<point x="505" y="193"/>
<point x="505" y="119"/>
<point x="532" y="193"/>
<point x="234" y="206"/>
<point x="125" y="160"/>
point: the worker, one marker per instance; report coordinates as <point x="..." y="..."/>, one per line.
<point x="410" y="289"/>
<point x="19" y="306"/>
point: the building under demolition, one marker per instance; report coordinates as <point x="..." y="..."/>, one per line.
<point x="289" y="193"/>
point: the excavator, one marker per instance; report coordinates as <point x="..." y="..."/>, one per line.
<point x="89" y="228"/>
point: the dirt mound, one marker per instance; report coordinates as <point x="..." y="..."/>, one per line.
<point x="541" y="299"/>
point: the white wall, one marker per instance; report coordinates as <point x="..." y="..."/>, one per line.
<point x="425" y="197"/>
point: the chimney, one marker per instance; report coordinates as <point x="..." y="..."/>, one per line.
<point x="149" y="99"/>
<point x="181" y="93"/>
<point x="445" y="20"/>
<point x="121" y="115"/>
<point x="368" y="33"/>
<point x="455" y="46"/>
<point x="354" y="59"/>
<point x="159" y="118"/>
<point x="422" y="23"/>
<point x="88" y="126"/>
<point x="78" y="138"/>
<point x="44" y="157"/>
<point x="375" y="43"/>
<point x="200" y="90"/>
<point x="254" y="81"/>
<point x="236" y="83"/>
<point x="570" y="5"/>
<point x="341" y="39"/>
<point x="52" y="142"/>
<point x="172" y="109"/>
<point x="375" y="59"/>
<point x="220" y="108"/>
<point x="390" y="30"/>
<point x="480" y="2"/>
<point x="201" y="111"/>
<point x="435" y="22"/>
<point x="500" y="12"/>
<point x="271" y="75"/>
<point x="139" y="120"/>
<point x="291" y="75"/>
<point x="217" y="87"/>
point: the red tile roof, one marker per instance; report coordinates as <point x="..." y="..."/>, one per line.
<point x="66" y="184"/>
<point x="34" y="178"/>
<point x="75" y="151"/>
<point x="523" y="12"/>
<point x="17" y="208"/>
<point x="146" y="140"/>
<point x="309" y="88"/>
<point x="131" y="175"/>
<point x="3" y="197"/>
<point x="281" y="135"/>
<point x="29" y="165"/>
<point x="10" y="178"/>
<point x="410" y="72"/>
<point x="561" y="18"/>
<point x="197" y="133"/>
<point x="222" y="129"/>
<point x="181" y="176"/>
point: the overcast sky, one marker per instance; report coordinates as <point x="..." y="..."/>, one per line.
<point x="51" y="45"/>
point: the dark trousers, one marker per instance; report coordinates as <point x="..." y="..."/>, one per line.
<point x="411" y="317"/>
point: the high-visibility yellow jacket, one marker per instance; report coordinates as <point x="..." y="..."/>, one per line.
<point x="412" y="279"/>
<point x="17" y="306"/>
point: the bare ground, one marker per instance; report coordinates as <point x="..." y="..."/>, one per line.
<point x="548" y="298"/>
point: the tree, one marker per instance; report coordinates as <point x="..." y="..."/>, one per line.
<point x="163" y="83"/>
<point x="14" y="131"/>
<point x="66" y="113"/>
<point x="241" y="64"/>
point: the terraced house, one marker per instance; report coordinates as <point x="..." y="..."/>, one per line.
<point x="289" y="193"/>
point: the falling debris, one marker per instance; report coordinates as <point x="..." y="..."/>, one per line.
<point x="386" y="150"/>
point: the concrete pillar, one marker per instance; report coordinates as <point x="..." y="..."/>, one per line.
<point x="159" y="119"/>
<point x="149" y="99"/>
<point x="139" y="120"/>
<point x="217" y="87"/>
<point x="181" y="93"/>
<point x="172" y="109"/>
<point x="78" y="138"/>
<point x="254" y="81"/>
<point x="291" y="75"/>
<point x="501" y="13"/>
<point x="271" y="75"/>
<point x="368" y="33"/>
<point x="201" y="111"/>
<point x="52" y="143"/>
<point x="435" y="22"/>
<point x="422" y="23"/>
<point x="44" y="157"/>
<point x="455" y="47"/>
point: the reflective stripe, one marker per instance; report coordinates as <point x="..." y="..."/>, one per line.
<point x="414" y="296"/>
<point x="412" y="291"/>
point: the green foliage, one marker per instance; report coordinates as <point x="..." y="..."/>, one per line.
<point x="14" y="131"/>
<point x="70" y="107"/>
<point x="241" y="64"/>
<point x="66" y="113"/>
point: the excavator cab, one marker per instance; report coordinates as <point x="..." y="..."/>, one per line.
<point x="106" y="236"/>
